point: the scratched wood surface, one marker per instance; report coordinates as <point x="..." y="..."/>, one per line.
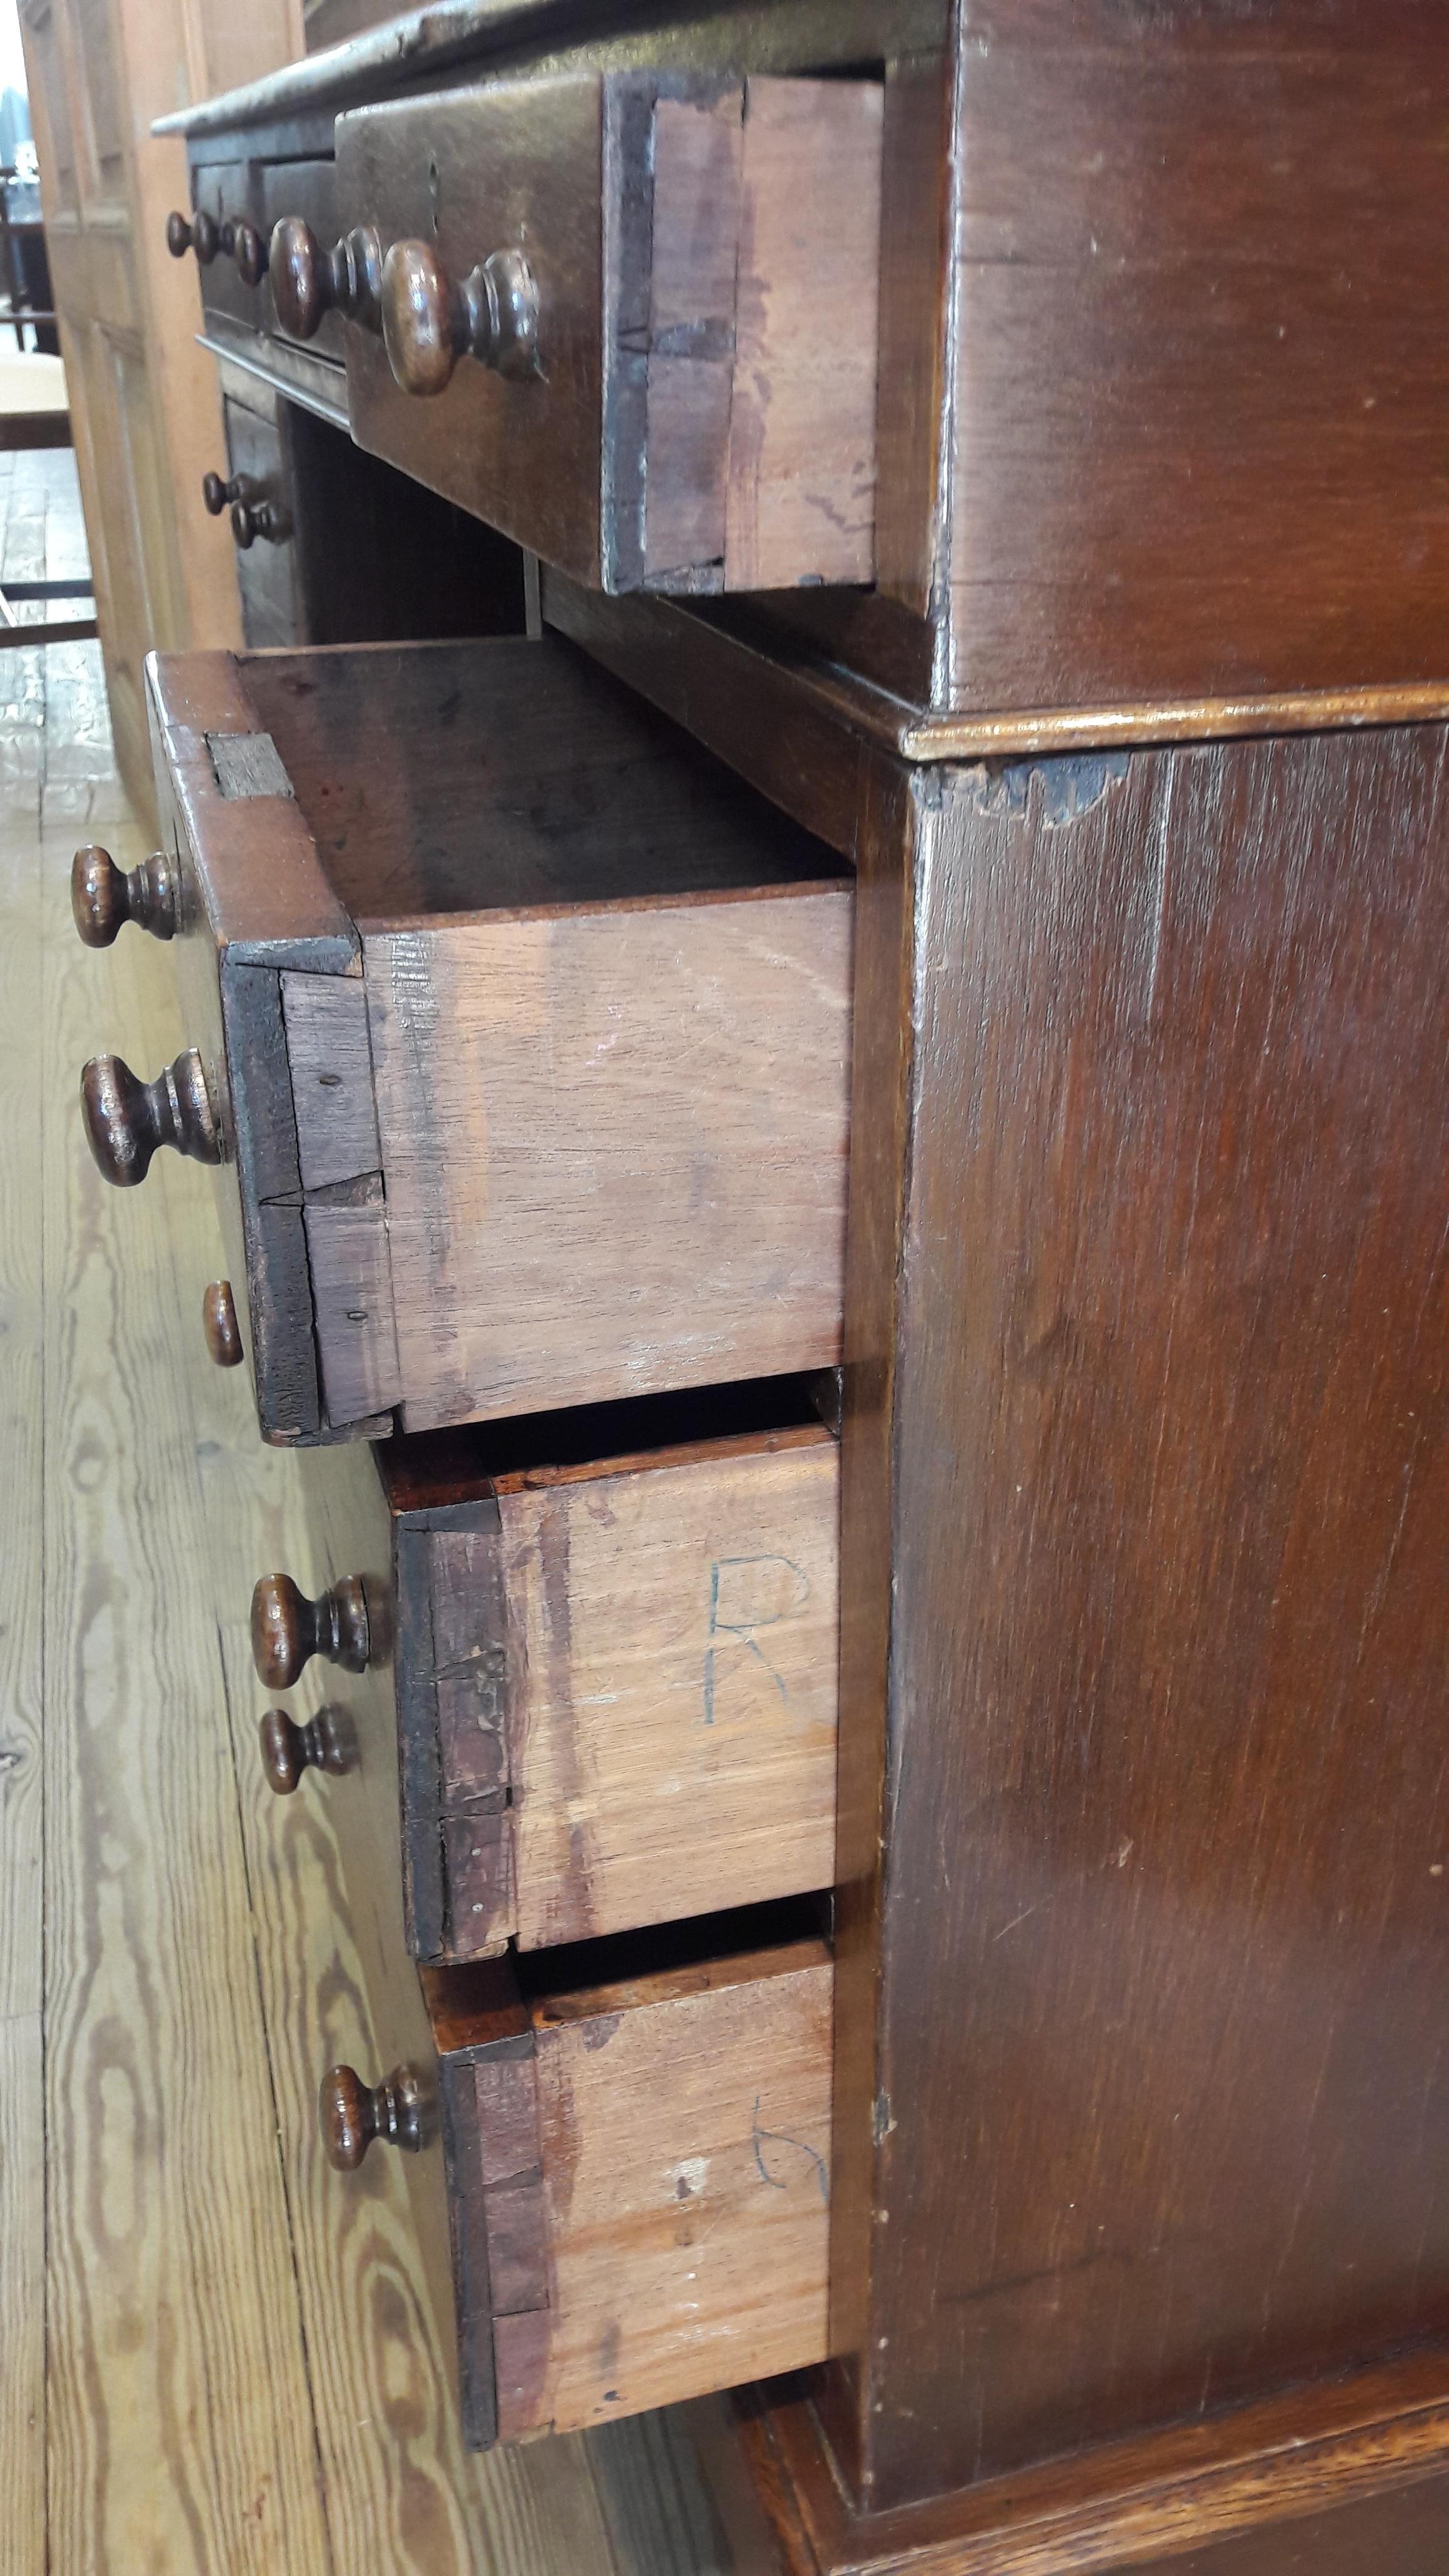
<point x="239" y="2377"/>
<point x="615" y="1146"/>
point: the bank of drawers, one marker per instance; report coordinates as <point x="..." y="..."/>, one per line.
<point x="587" y="1693"/>
<point x="520" y="1046"/>
<point x="520" y="1036"/>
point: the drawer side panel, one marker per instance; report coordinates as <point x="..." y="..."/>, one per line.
<point x="614" y="1149"/>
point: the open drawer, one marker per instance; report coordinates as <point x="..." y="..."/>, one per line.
<point x="628" y="317"/>
<point x="520" y="1034"/>
<point x="577" y="1672"/>
<point x="617" y="2158"/>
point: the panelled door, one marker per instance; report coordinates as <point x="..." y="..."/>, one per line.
<point x="145" y="408"/>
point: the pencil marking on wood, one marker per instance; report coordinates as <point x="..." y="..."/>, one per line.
<point x="742" y="1630"/>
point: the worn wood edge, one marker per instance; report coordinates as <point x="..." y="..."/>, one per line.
<point x="691" y="899"/>
<point x="691" y="1453"/>
<point x="241" y="846"/>
<point x="312" y="381"/>
<point x="674" y="1985"/>
<point x="468" y="2246"/>
<point x="1307" y="2452"/>
<point x="281" y="1345"/>
<point x="665" y="647"/>
<point x="466" y="1810"/>
<point x="419" y="1749"/>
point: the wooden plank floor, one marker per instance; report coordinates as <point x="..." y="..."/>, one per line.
<point x="213" y="2353"/>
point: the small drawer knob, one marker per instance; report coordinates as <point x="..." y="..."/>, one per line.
<point x="240" y="240"/>
<point x="428" y="324"/>
<point x="253" y="519"/>
<point x="219" y="1324"/>
<point x="288" y="1749"/>
<point x="218" y="494"/>
<point x="102" y="896"/>
<point x="288" y="1629"/>
<point x="126" y="1119"/>
<point x="202" y="234"/>
<point x="352" y="2114"/>
<point x="308" y="282"/>
<point x="249" y="251"/>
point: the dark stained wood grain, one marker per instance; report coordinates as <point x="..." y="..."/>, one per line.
<point x="525" y="455"/>
<point x="1347" y="2467"/>
<point x="646" y="350"/>
<point x="1199" y="358"/>
<point x="1166" y="1479"/>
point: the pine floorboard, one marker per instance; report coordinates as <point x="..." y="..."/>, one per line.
<point x="214" y="2353"/>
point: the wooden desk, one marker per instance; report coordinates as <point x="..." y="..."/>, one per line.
<point x="1140" y="2218"/>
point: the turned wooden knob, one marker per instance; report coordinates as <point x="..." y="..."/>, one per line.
<point x="126" y="1119"/>
<point x="352" y="2114"/>
<point x="203" y="235"/>
<point x="428" y="324"/>
<point x="308" y="282"/>
<point x="253" y="519"/>
<point x="218" y="495"/>
<point x="288" y="1629"/>
<point x="102" y="896"/>
<point x="219" y="1323"/>
<point x="288" y="1749"/>
<point x="249" y="251"/>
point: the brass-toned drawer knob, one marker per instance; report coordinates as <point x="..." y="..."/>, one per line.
<point x="102" y="896"/>
<point x="352" y="2114"/>
<point x="240" y="241"/>
<point x="308" y="282"/>
<point x="219" y="1324"/>
<point x="253" y="519"/>
<point x="288" y="1629"/>
<point x="126" y="1119"/>
<point x="429" y="324"/>
<point x="288" y="1749"/>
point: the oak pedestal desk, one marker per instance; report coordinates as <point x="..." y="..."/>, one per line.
<point x="981" y="479"/>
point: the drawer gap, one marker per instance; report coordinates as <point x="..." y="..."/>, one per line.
<point x="436" y="1471"/>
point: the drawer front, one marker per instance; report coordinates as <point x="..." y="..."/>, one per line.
<point x="267" y="563"/>
<point x="226" y="191"/>
<point x="307" y="191"/>
<point x="547" y="1154"/>
<point x="668" y="379"/>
